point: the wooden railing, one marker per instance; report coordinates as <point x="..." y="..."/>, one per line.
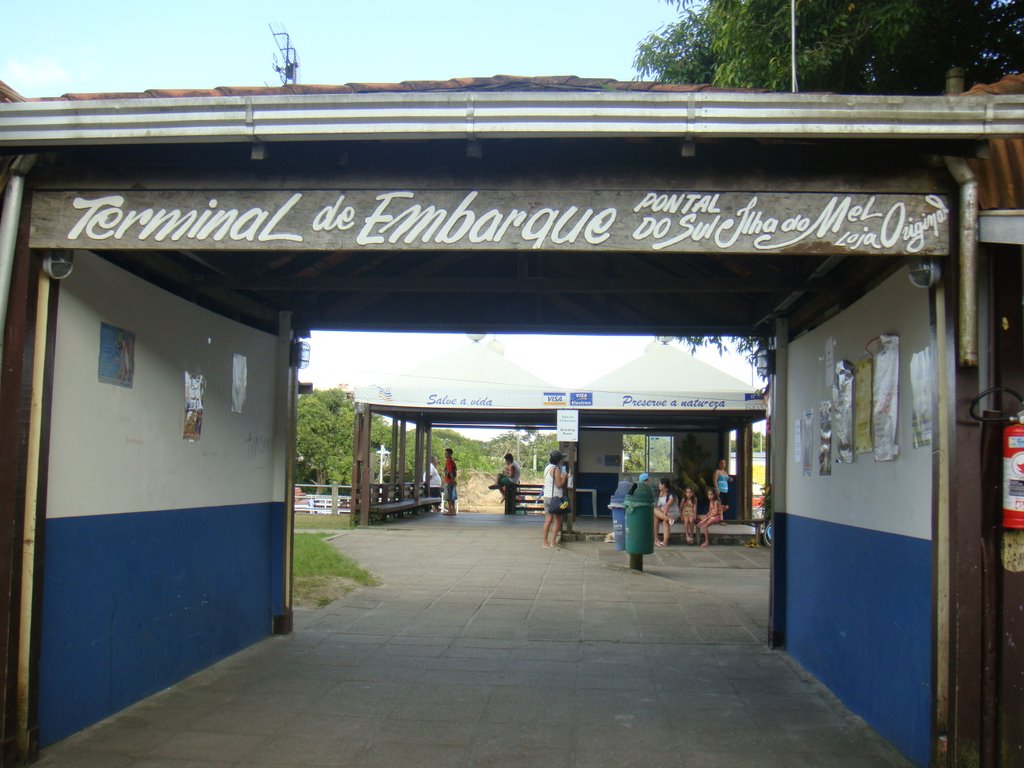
<point x="323" y="499"/>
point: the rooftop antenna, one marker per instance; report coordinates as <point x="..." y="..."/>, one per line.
<point x="288" y="68"/>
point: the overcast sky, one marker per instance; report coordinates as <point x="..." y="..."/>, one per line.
<point x="52" y="47"/>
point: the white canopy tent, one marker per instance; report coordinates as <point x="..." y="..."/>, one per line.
<point x="478" y="377"/>
<point x="665" y="390"/>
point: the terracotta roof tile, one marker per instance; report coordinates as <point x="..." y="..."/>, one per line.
<point x="1008" y="85"/>
<point x="302" y="89"/>
<point x="9" y="95"/>
<point x="506" y="83"/>
<point x="431" y="85"/>
<point x="94" y="96"/>
<point x="177" y="93"/>
<point x="236" y="90"/>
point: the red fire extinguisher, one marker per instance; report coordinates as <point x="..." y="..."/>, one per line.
<point x="1013" y="476"/>
<point x="1013" y="458"/>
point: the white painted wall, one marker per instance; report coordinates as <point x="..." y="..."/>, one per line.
<point x="893" y="496"/>
<point x="594" y="446"/>
<point x="117" y="450"/>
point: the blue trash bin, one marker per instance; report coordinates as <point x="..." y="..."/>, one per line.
<point x="618" y="508"/>
<point x="619" y="528"/>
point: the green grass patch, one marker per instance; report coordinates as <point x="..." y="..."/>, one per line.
<point x="322" y="573"/>
<point x="316" y="557"/>
<point x="305" y="521"/>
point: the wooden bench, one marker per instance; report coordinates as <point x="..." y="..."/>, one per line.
<point x="401" y="508"/>
<point x="750" y="528"/>
<point x="527" y="500"/>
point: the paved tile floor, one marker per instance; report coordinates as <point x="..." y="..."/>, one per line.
<point x="481" y="648"/>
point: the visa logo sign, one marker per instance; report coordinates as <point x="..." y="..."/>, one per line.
<point x="555" y="399"/>
<point x="581" y="399"/>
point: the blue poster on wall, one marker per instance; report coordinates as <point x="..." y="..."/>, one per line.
<point x="117" y="356"/>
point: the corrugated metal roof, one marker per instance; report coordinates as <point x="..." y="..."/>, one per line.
<point x="505" y="106"/>
<point x="1001" y="175"/>
<point x="279" y="114"/>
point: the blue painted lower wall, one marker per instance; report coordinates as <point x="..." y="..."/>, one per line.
<point x="859" y="618"/>
<point x="133" y="603"/>
<point x="605" y="485"/>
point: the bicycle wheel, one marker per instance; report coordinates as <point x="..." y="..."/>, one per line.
<point x="766" y="534"/>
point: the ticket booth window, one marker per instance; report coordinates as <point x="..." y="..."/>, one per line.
<point x="647" y="453"/>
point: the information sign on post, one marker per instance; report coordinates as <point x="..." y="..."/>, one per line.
<point x="568" y="426"/>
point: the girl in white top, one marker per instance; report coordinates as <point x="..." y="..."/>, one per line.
<point x="554" y="481"/>
<point x="667" y="511"/>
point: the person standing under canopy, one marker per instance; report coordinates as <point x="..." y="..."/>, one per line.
<point x="451" y="472"/>
<point x="434" y="481"/>
<point x="555" y="475"/>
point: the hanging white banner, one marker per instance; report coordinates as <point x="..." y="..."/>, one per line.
<point x="493" y="396"/>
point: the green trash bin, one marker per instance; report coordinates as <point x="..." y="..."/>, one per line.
<point x="640" y="520"/>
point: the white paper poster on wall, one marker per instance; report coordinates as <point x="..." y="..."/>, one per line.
<point x="807" y="427"/>
<point x="921" y="391"/>
<point x="825" y="446"/>
<point x="798" y="440"/>
<point x="195" y="384"/>
<point x="842" y="417"/>
<point x="239" y="376"/>
<point x="885" y="397"/>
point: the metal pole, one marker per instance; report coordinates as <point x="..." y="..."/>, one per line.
<point x="792" y="41"/>
<point x="968" y="245"/>
<point x="968" y="298"/>
<point x="9" y="230"/>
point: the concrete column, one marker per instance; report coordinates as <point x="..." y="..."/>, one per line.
<point x="286" y="398"/>
<point x="779" y="446"/>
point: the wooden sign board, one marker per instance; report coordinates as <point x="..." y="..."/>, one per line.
<point x="672" y="221"/>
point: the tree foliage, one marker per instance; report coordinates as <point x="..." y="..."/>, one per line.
<point x="323" y="438"/>
<point x="634" y="453"/>
<point x="530" y="447"/>
<point x="488" y="455"/>
<point x="843" y="46"/>
<point x="748" y="346"/>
